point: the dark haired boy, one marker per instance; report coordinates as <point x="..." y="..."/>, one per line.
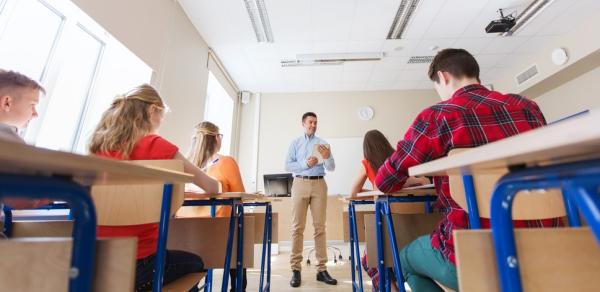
<point x="469" y="115"/>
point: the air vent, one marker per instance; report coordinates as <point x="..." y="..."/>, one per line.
<point x="528" y="74"/>
<point x="420" y="59"/>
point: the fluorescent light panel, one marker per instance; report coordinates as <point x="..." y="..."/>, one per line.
<point x="403" y="17"/>
<point x="259" y="18"/>
<point x="331" y="59"/>
<point x="532" y="11"/>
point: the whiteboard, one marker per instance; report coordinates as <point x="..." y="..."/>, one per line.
<point x="347" y="153"/>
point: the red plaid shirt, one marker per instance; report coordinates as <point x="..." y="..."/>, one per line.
<point x="472" y="117"/>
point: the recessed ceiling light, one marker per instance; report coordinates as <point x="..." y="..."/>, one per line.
<point x="403" y="17"/>
<point x="259" y="18"/>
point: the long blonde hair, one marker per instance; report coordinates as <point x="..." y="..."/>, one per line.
<point x="126" y="121"/>
<point x="204" y="143"/>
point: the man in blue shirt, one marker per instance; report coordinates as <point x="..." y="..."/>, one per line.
<point x="309" y="190"/>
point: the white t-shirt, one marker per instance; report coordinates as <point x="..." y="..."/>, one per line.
<point x="10" y="133"/>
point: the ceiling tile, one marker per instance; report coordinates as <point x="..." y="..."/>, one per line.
<point x="331" y="19"/>
<point x="359" y="66"/>
<point x="454" y="18"/>
<point x="473" y="45"/>
<point x="290" y="20"/>
<point x="422" y="18"/>
<point x="384" y="76"/>
<point x="355" y="76"/>
<point x="368" y="27"/>
<point x="364" y="46"/>
<point x="504" y="45"/>
<point x="412" y="75"/>
<point x="424" y="47"/>
<point x="535" y="44"/>
<point x="402" y="47"/>
<point x="390" y="64"/>
<point x="326" y="47"/>
<point x="566" y="21"/>
<point x="489" y="60"/>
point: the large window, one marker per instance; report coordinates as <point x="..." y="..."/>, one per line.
<point x="81" y="66"/>
<point x="219" y="110"/>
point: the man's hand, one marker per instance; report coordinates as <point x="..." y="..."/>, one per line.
<point x="311" y="161"/>
<point x="325" y="152"/>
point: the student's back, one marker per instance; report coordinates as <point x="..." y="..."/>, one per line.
<point x="470" y="115"/>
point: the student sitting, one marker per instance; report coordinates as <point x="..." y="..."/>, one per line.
<point x="128" y="130"/>
<point x="204" y="153"/>
<point x="19" y="96"/>
<point x="470" y="115"/>
<point x="376" y="149"/>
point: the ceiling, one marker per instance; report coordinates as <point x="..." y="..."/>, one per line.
<point x="345" y="26"/>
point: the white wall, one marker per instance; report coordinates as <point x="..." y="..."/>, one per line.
<point x="160" y="33"/>
<point x="280" y="120"/>
<point x="572" y="97"/>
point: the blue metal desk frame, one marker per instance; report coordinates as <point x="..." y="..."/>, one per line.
<point x="382" y="208"/>
<point x="163" y="229"/>
<point x="579" y="182"/>
<point x="355" y="266"/>
<point x="266" y="245"/>
<point x="237" y="214"/>
<point x="84" y="215"/>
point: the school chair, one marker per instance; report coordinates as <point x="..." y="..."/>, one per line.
<point x="550" y="259"/>
<point x="134" y="204"/>
<point x="37" y="258"/>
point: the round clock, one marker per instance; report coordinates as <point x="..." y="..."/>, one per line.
<point x="365" y="113"/>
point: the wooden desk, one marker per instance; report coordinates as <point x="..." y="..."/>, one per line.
<point x="382" y="207"/>
<point x="237" y="200"/>
<point x="572" y="140"/>
<point x="36" y="173"/>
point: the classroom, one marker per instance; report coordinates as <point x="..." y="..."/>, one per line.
<point x="299" y="145"/>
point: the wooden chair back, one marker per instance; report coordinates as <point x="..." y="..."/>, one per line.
<point x="134" y="204"/>
<point x="550" y="259"/>
<point x="528" y="205"/>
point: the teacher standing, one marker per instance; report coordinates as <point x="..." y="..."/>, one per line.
<point x="309" y="190"/>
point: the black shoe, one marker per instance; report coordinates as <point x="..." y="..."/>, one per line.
<point x="325" y="277"/>
<point x="296" y="279"/>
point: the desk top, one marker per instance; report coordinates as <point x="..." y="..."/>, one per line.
<point x="372" y="195"/>
<point x="226" y="196"/>
<point x="571" y="140"/>
<point x="16" y="158"/>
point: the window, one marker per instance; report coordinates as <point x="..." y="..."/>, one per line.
<point x="81" y="66"/>
<point x="219" y="110"/>
<point x="27" y="45"/>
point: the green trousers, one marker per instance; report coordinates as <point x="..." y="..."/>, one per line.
<point x="422" y="264"/>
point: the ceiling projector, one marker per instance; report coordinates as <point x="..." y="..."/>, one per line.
<point x="502" y="25"/>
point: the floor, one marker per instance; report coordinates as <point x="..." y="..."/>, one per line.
<point x="281" y="274"/>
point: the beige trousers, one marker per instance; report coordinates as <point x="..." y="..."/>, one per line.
<point x="309" y="193"/>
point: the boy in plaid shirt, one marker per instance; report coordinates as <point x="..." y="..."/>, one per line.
<point x="469" y="115"/>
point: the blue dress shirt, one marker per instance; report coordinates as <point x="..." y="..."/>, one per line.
<point x="300" y="150"/>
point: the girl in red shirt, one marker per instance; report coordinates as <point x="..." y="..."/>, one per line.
<point x="128" y="130"/>
<point x="376" y="149"/>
